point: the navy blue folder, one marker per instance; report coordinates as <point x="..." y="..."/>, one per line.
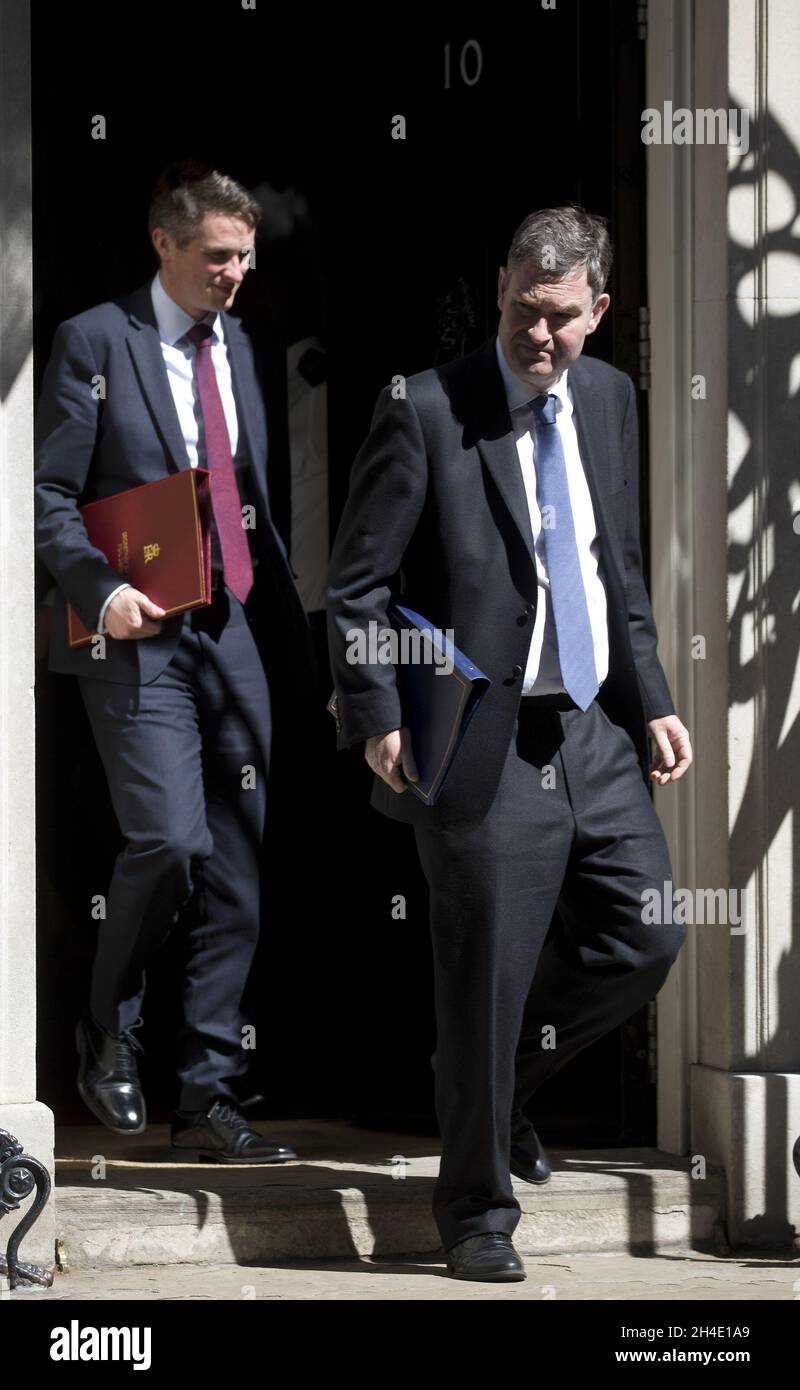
<point x="437" y="705"/>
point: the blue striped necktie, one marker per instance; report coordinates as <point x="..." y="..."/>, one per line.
<point x="567" y="591"/>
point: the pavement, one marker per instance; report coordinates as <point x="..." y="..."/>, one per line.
<point x="681" y="1277"/>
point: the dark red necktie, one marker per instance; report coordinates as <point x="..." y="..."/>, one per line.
<point x="225" y="499"/>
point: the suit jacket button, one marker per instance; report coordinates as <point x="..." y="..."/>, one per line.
<point x="529" y="609"/>
<point x="516" y="671"/>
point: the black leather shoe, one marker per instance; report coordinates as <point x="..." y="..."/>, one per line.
<point x="222" y="1135"/>
<point x="108" y="1077"/>
<point x="490" y="1257"/>
<point x="527" y="1159"/>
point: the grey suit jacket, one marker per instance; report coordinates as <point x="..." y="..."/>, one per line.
<point x="89" y="448"/>
<point x="437" y="513"/>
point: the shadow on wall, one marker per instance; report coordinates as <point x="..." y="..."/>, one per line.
<point x="764" y="501"/>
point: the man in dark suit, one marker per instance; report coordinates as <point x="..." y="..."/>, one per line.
<point x="500" y="495"/>
<point x="179" y="706"/>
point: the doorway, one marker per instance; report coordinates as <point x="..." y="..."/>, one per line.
<point x="387" y="248"/>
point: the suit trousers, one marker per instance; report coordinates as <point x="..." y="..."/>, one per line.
<point x="573" y="829"/>
<point x="187" y="760"/>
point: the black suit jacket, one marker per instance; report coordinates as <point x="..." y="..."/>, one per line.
<point x="437" y="512"/>
<point x="88" y="448"/>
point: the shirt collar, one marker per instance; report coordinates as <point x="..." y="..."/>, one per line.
<point x="517" y="393"/>
<point x="173" y="321"/>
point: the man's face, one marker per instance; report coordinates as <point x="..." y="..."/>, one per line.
<point x="543" y="326"/>
<point x="206" y="273"/>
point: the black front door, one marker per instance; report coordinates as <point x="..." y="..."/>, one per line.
<point x="397" y="154"/>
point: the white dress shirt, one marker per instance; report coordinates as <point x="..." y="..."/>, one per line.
<point x="173" y="324"/>
<point x="543" y="672"/>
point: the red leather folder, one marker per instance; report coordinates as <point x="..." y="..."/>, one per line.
<point x="156" y="536"/>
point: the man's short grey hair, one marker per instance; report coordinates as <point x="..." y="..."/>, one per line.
<point x="187" y="190"/>
<point x="558" y="240"/>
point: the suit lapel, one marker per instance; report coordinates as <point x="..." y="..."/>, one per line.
<point x="243" y="378"/>
<point x="497" y="447"/>
<point x="596" y="445"/>
<point x="144" y="346"/>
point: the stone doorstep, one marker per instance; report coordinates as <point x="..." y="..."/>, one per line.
<point x="354" y="1193"/>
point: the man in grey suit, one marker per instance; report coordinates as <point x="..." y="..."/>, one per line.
<point x="180" y="708"/>
<point x="499" y="494"/>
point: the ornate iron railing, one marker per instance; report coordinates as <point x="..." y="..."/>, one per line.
<point x="19" y="1174"/>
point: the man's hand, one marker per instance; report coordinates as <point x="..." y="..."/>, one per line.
<point x="132" y="614"/>
<point x="385" y="754"/>
<point x="674" y="749"/>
